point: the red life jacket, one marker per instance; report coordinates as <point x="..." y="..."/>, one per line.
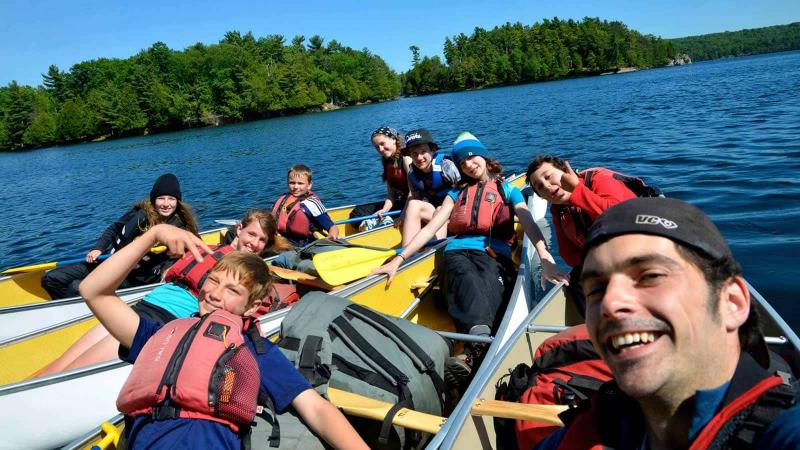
<point x="192" y="274"/>
<point x="281" y="295"/>
<point x="481" y="209"/>
<point x="292" y="221"/>
<point x="614" y="420"/>
<point x="202" y="366"/>
<point x="395" y="176"/>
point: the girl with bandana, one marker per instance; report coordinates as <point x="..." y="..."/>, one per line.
<point x="388" y="142"/>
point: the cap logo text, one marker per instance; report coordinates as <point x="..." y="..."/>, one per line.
<point x="647" y="219"/>
<point x="413" y="136"/>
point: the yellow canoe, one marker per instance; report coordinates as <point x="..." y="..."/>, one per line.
<point x="25" y="288"/>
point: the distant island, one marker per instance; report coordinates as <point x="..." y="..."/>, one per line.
<point x="247" y="78"/>
<point x="754" y="41"/>
<point x="240" y="78"/>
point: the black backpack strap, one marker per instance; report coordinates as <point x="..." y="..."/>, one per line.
<point x="251" y="328"/>
<point x="276" y="299"/>
<point x="417" y="355"/>
<point x="307" y="360"/>
<point x="271" y="417"/>
<point x="361" y="346"/>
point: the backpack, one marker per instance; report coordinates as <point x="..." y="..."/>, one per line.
<point x="566" y="370"/>
<point x="281" y="295"/>
<point x="635" y="184"/>
<point x="334" y="342"/>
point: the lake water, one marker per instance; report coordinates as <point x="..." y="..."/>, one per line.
<point x="724" y="135"/>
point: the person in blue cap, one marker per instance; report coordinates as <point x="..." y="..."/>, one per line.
<point x="479" y="272"/>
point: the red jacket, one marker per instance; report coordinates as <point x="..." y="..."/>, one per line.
<point x="586" y="204"/>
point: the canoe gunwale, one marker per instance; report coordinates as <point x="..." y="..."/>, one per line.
<point x="459" y="416"/>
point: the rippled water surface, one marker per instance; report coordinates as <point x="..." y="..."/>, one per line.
<point x="724" y="135"/>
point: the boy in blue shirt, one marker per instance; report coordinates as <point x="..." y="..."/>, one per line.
<point x="235" y="284"/>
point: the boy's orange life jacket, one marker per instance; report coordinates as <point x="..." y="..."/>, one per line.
<point x="196" y="368"/>
<point x="292" y="221"/>
<point x="191" y="274"/>
<point x="482" y="210"/>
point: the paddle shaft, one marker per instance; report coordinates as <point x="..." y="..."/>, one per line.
<point x="50" y="265"/>
<point x="371" y="216"/>
<point x="361" y="406"/>
<point x="520" y="411"/>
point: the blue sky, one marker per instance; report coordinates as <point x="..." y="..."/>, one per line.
<point x="37" y="33"/>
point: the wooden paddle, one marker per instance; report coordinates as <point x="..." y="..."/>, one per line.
<point x="521" y="411"/>
<point x="50" y="265"/>
<point x="361" y="406"/>
<point x="339" y="267"/>
<point x="299" y="277"/>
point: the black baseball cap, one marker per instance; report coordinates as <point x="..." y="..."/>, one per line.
<point x="419" y="136"/>
<point x="667" y="217"/>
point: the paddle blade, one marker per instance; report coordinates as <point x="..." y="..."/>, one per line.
<point x="33" y="268"/>
<point x="339" y="267"/>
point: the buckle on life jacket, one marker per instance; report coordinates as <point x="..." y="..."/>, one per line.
<point x="165" y="412"/>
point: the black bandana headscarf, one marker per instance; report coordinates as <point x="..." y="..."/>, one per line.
<point x="386" y="131"/>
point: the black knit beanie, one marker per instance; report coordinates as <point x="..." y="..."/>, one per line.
<point x="166" y="184"/>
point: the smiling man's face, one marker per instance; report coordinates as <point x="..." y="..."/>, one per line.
<point x="648" y="313"/>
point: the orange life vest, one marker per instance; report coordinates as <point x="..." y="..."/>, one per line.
<point x="481" y="209"/>
<point x="292" y="221"/>
<point x="191" y="274"/>
<point x="196" y="368"/>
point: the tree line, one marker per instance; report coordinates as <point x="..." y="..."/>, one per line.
<point x="517" y="53"/>
<point x="159" y="89"/>
<point x="777" y="38"/>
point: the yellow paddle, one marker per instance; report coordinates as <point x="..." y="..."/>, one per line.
<point x="339" y="267"/>
<point x="50" y="265"/>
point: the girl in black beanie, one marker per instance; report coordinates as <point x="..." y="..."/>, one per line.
<point x="164" y="205"/>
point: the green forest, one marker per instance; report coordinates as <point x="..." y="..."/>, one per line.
<point x="517" y="53"/>
<point x="739" y="43"/>
<point x="158" y="89"/>
<point x="245" y="78"/>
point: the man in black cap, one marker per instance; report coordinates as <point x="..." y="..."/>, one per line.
<point x="669" y="312"/>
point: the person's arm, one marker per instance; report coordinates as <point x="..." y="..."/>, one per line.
<point x="315" y="211"/>
<point x="550" y="270"/>
<point x="106" y="240"/>
<point x="327" y="421"/>
<point x="440" y="217"/>
<point x="605" y="192"/>
<point x="99" y="288"/>
<point x="450" y="172"/>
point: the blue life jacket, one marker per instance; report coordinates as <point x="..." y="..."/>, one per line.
<point x="437" y="188"/>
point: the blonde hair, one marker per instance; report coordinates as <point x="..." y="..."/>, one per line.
<point x="300" y="169"/>
<point x="251" y="271"/>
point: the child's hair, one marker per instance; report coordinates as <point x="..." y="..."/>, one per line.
<point x="251" y="270"/>
<point x="493" y="166"/>
<point x="300" y="169"/>
<point x="275" y="242"/>
<point x="183" y="211"/>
